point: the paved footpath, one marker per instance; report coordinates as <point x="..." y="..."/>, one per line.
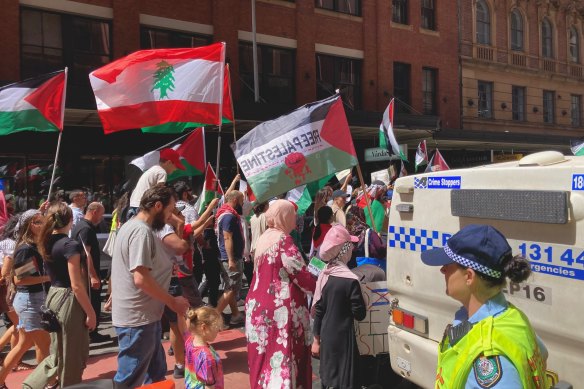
<point x="230" y="345"/>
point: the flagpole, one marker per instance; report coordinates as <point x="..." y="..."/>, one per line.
<point x="366" y="197"/>
<point x="60" y="135"/>
<point x="221" y="81"/>
<point x="233" y="113"/>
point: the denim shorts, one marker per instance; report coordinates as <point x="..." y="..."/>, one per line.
<point x="28" y="308"/>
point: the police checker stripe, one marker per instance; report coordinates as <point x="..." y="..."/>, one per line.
<point x="153" y="87"/>
<point x="310" y="143"/>
<point x="33" y="105"/>
<point x="472" y="264"/>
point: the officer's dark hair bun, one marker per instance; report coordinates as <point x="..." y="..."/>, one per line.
<point x="516" y="268"/>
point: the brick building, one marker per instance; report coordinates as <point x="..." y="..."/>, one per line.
<point x="370" y="50"/>
<point x="522" y="73"/>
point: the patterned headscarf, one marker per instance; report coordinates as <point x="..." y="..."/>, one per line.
<point x="24" y="218"/>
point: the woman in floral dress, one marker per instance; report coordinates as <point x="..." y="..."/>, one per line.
<point x="277" y="317"/>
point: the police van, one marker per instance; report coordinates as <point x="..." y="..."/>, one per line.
<point x="538" y="204"/>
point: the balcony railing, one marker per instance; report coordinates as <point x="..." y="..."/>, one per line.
<point x="576" y="71"/>
<point x="518" y="59"/>
<point x="549" y="65"/>
<point x="485" y="53"/>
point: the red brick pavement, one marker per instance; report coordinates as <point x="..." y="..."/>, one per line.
<point x="230" y="345"/>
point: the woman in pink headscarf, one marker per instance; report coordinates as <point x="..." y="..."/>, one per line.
<point x="337" y="303"/>
<point x="277" y="323"/>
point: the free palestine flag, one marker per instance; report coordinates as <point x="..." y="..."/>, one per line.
<point x="211" y="190"/>
<point x="154" y="87"/>
<point x="386" y="135"/>
<point x="179" y="127"/>
<point x="303" y="146"/>
<point x="421" y="155"/>
<point x="36" y="104"/>
<point x="437" y="163"/>
<point x="577" y="147"/>
<point x="191" y="150"/>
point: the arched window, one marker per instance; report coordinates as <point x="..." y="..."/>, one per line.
<point x="547" y="45"/>
<point x="516" y="30"/>
<point x="574" y="42"/>
<point x="483" y="23"/>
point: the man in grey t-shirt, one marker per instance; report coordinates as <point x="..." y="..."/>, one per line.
<point x="140" y="279"/>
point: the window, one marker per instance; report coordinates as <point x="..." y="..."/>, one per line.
<point x="547" y="47"/>
<point x="429" y="91"/>
<point x="276" y="72"/>
<point x="516" y="30"/>
<point x="549" y="106"/>
<point x="574" y="42"/>
<point x="352" y="7"/>
<point x="401" y="85"/>
<point x="339" y="73"/>
<point x="428" y="15"/>
<point x="518" y="103"/>
<point x="400" y="11"/>
<point x="152" y="38"/>
<point x="483" y="23"/>
<point x="576" y="111"/>
<point x="51" y="41"/>
<point x="485" y="100"/>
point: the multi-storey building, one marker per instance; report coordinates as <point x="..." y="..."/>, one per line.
<point x="522" y="73"/>
<point x="370" y="50"/>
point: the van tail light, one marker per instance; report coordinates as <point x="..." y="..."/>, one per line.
<point x="410" y="321"/>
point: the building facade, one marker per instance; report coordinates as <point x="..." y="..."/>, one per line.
<point x="370" y="51"/>
<point x="522" y="73"/>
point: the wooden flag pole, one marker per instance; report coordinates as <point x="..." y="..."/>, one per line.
<point x="366" y="197"/>
<point x="54" y="166"/>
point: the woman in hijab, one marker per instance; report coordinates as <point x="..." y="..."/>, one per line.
<point x="277" y="317"/>
<point x="337" y="303"/>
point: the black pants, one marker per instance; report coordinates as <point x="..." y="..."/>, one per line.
<point x="96" y="304"/>
<point x="212" y="269"/>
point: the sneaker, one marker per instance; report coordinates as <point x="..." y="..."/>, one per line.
<point x="96" y="337"/>
<point x="237" y="321"/>
<point x="179" y="372"/>
<point x="170" y="351"/>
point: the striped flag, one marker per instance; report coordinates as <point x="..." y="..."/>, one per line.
<point x="211" y="190"/>
<point x="155" y="87"/>
<point x="577" y="147"/>
<point x="386" y="136"/>
<point x="190" y="149"/>
<point x="37" y="104"/>
<point x="421" y="155"/>
<point x="311" y="142"/>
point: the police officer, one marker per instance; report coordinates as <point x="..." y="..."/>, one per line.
<point x="490" y="343"/>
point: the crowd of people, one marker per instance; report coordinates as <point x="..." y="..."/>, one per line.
<point x="168" y="253"/>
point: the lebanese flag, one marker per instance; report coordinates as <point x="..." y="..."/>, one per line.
<point x="36" y="104"/>
<point x="154" y="87"/>
<point x="421" y="155"/>
<point x="303" y="146"/>
<point x="190" y="149"/>
<point x="211" y="190"/>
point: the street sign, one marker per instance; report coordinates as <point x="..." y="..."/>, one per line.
<point x="380" y="154"/>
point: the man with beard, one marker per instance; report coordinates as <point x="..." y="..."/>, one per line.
<point x="140" y="278"/>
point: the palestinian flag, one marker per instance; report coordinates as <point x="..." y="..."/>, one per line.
<point x="177" y="127"/>
<point x="310" y="143"/>
<point x="421" y="155"/>
<point x="191" y="149"/>
<point x="246" y="190"/>
<point x="577" y="147"/>
<point x="386" y="136"/>
<point x="154" y="87"/>
<point x="403" y="171"/>
<point x="211" y="190"/>
<point x="37" y="104"/>
<point x="437" y="163"/>
<point x="304" y="195"/>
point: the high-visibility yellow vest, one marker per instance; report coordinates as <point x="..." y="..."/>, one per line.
<point x="508" y="334"/>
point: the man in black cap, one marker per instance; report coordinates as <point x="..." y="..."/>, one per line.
<point x="339" y="201"/>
